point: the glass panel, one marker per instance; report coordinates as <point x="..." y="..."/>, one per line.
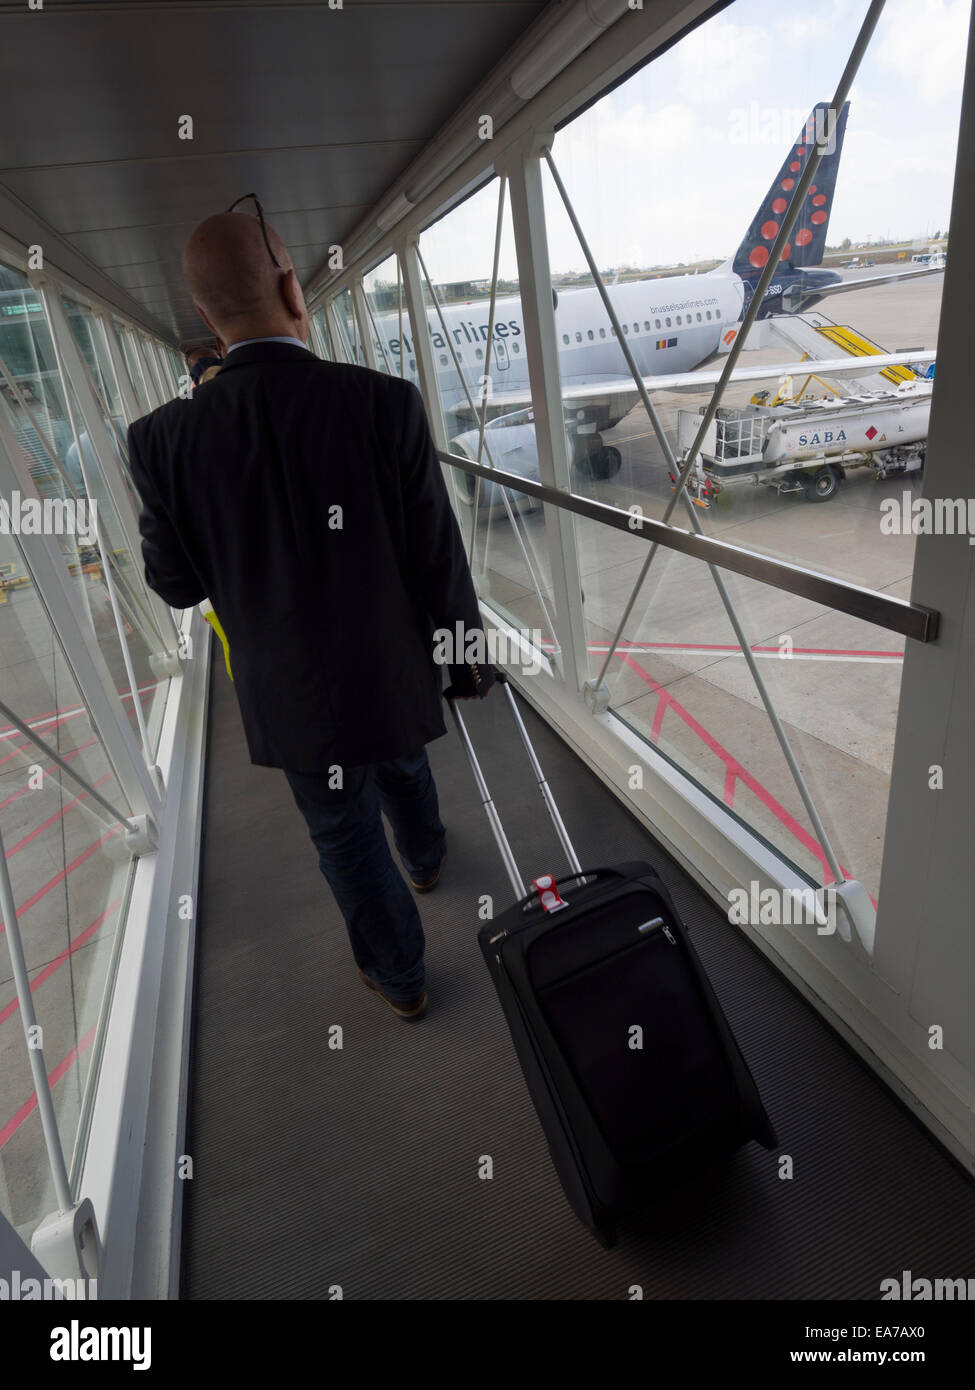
<point x="69" y="889"/>
<point x="681" y="256"/>
<point x="682" y="266"/>
<point x="320" y="334"/>
<point x="87" y="335"/>
<point x="42" y="425"/>
<point x="350" y="345"/>
<point x="150" y="369"/>
<point x="389" y="320"/>
<point x="127" y="576"/>
<point x="38" y="417"/>
<point x="166" y="373"/>
<point x="485" y="375"/>
<point x="680" y="680"/>
<point x="135" y="371"/>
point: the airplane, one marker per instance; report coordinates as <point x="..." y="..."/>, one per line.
<point x="673" y="324"/>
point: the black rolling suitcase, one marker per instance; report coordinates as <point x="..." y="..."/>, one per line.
<point x="629" y="1060"/>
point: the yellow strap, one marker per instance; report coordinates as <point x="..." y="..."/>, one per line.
<point x="214" y="622"/>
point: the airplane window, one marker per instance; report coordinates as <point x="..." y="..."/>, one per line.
<point x="478" y="353"/>
<point x="636" y="328"/>
<point x="602" y="333"/>
<point x="443" y="359"/>
<point x="590" y="334"/>
<point x="412" y="365"/>
<point x="578" y="337"/>
<point x="708" y="312"/>
<point x="678" y="319"/>
<point x="565" y="337"/>
<point x="717" y="313"/>
<point x="699" y="316"/>
<point x="667" y="322"/>
<point x="626" y="328"/>
<point x="517" y="347"/>
<point x="613" y="331"/>
<point x="646" y="325"/>
<point x="656" y="323"/>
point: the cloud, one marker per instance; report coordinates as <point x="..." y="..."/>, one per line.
<point x="924" y="42"/>
<point x="658" y="170"/>
<point x="817" y="24"/>
<point x="720" y="58"/>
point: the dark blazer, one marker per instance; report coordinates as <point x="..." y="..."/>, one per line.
<point x="305" y="500"/>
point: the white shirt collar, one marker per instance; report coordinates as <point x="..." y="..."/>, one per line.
<point x="247" y="342"/>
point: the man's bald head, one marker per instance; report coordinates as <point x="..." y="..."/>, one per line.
<point x="236" y="287"/>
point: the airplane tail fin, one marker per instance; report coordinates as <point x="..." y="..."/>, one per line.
<point x="808" y="241"/>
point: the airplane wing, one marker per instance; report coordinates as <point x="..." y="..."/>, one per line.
<point x="596" y="390"/>
<point x="870" y="281"/>
<point x="768" y="371"/>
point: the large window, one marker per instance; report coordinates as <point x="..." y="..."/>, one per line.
<point x="679" y="180"/>
<point x="481" y="366"/>
<point x="389" y="321"/>
<point x="63" y="823"/>
<point x="69" y="884"/>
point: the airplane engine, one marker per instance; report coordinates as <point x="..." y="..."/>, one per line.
<point x="514" y="449"/>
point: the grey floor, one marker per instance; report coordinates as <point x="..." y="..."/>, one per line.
<point x="317" y="1167"/>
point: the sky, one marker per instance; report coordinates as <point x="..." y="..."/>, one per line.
<point x="672" y="165"/>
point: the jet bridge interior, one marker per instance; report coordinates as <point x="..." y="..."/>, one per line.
<point x="198" y="1101"/>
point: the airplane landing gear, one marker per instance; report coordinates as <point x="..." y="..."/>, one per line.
<point x="594" y="459"/>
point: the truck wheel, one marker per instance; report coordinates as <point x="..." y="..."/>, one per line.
<point x="821" y="485"/>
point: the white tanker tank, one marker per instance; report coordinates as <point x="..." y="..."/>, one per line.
<point x="808" y="445"/>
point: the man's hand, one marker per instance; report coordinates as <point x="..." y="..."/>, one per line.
<point x="470" y="682"/>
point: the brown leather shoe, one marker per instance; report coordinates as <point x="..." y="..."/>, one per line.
<point x="423" y="885"/>
<point x="415" y="1008"/>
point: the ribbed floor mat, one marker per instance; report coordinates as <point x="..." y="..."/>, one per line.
<point x="358" y="1167"/>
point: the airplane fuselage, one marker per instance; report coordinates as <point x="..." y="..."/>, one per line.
<point x="671" y="325"/>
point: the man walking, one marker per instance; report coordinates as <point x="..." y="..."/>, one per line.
<point x="305" y="500"/>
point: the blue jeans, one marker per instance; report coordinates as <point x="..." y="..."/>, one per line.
<point x="346" y="828"/>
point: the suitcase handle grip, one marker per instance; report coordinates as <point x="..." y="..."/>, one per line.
<point x="589" y="876"/>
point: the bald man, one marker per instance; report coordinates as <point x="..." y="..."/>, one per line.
<point x="305" y="500"/>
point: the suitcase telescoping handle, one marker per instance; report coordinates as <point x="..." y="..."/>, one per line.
<point x="490" y="809"/>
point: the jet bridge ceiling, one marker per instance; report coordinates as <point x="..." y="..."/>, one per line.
<point x="317" y="110"/>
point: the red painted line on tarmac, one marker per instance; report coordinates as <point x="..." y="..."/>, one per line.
<point x="25" y="747"/>
<point x="59" y="877"/>
<point x="733" y="647"/>
<point x="72" y="711"/>
<point x="29" y="1106"/>
<point x="56" y="817"/>
<point x="59" y="960"/>
<point x="67" y="758"/>
<point x="734" y="770"/>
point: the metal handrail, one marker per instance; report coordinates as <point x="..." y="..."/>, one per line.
<point x="895" y="614"/>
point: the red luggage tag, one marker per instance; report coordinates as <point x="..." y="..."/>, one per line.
<point x="548" y="894"/>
